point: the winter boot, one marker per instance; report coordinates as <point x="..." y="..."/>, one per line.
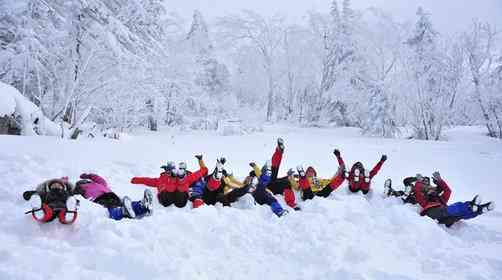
<point x="387" y="187"/>
<point x="127" y="208"/>
<point x="280" y="144"/>
<point x="284" y="212"/>
<point x="475" y="203"/>
<point x="490" y="206"/>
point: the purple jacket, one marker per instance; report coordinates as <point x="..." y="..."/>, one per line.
<point x="95" y="189"/>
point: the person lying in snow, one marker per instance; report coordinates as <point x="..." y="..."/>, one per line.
<point x="284" y="185"/>
<point x="359" y="178"/>
<point x="53" y="199"/>
<point x="219" y="186"/>
<point x="94" y="188"/>
<point x="311" y="186"/>
<point x="262" y="195"/>
<point x="173" y="184"/>
<point x="433" y="201"/>
<point x="407" y="195"/>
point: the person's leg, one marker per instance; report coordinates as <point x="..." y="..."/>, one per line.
<point x="116" y="213"/>
<point x="210" y="197"/>
<point x="139" y="209"/>
<point x="181" y="199"/>
<point x="462" y="210"/>
<point x="166" y="198"/>
<point x="234" y="195"/>
<point x="279" y="185"/>
<point x="109" y="200"/>
<point x="325" y="192"/>
<point x="274" y="204"/>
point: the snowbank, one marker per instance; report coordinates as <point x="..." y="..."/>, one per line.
<point x="345" y="236"/>
<point x="13" y="102"/>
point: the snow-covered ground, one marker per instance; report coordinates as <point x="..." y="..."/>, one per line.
<point x="345" y="236"/>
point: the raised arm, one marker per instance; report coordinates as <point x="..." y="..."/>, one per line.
<point x="151" y="182"/>
<point x="277" y="158"/>
<point x="377" y="167"/>
<point x="445" y="196"/>
<point x="199" y="173"/>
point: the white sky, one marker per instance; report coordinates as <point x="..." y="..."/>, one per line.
<point x="447" y="15"/>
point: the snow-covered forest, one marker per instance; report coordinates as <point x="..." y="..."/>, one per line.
<point x="108" y="66"/>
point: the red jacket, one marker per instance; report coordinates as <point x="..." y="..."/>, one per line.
<point x="362" y="184"/>
<point x="166" y="183"/>
<point x="427" y="202"/>
<point x="182" y="184"/>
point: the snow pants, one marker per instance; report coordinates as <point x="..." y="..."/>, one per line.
<point x="212" y="197"/>
<point x="109" y="200"/>
<point x="117" y="213"/>
<point x="283" y="186"/>
<point x="262" y="196"/>
<point x="448" y="215"/>
<point x="179" y="199"/>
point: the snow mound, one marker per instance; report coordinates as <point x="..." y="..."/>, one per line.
<point x="33" y="120"/>
<point x="346" y="236"/>
<point x="7" y="100"/>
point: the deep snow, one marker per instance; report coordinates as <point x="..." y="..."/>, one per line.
<point x="345" y="236"/>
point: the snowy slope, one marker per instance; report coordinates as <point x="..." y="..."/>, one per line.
<point x="345" y="236"/>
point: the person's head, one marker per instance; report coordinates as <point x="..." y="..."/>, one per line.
<point x="358" y="165"/>
<point x="57" y="186"/>
<point x="169" y="167"/>
<point x="182" y="170"/>
<point x="311" y="172"/>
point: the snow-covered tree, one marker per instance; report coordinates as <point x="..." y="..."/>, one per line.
<point x="430" y="103"/>
<point x="485" y="69"/>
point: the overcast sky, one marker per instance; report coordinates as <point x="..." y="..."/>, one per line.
<point x="447" y="15"/>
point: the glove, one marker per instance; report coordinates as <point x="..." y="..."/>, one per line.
<point x="199" y="157"/>
<point x="300" y="170"/>
<point x="280" y="144"/>
<point x="336" y="152"/>
<point x="291" y="172"/>
<point x="252" y="164"/>
<point x="384" y="158"/>
<point x="297" y="208"/>
<point x="222" y="160"/>
<point x="27" y="195"/>
<point x="436" y="176"/>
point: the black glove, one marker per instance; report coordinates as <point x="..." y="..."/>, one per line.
<point x="199" y="157"/>
<point x="291" y="172"/>
<point x="27" y="194"/>
<point x="384" y="158"/>
<point x="336" y="152"/>
<point x="297" y="208"/>
<point x="252" y="164"/>
<point x="436" y="176"/>
<point x="280" y="144"/>
<point x="222" y="160"/>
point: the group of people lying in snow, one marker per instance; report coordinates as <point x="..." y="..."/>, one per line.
<point x="177" y="185"/>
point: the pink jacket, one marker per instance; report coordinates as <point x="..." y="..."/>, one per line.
<point x="95" y="189"/>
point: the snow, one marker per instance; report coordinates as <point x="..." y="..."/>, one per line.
<point x="346" y="236"/>
<point x="13" y="102"/>
<point x="7" y="101"/>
